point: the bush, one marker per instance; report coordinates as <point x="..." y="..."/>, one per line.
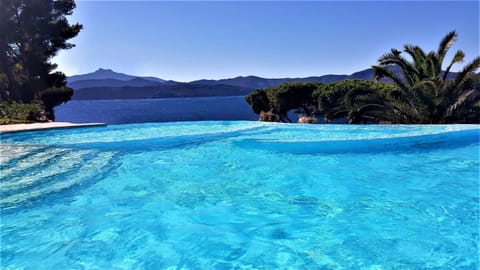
<point x="11" y="113"/>
<point x="258" y="100"/>
<point x="280" y="99"/>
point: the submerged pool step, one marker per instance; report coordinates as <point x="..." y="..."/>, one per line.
<point x="72" y="169"/>
<point x="32" y="162"/>
<point x="12" y="154"/>
<point x="53" y="164"/>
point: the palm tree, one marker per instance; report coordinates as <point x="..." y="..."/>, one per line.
<point x="425" y="94"/>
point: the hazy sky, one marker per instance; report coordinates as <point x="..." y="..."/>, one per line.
<point x="185" y="41"/>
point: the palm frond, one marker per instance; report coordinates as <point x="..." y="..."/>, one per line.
<point x="445" y="45"/>
<point x="463" y="75"/>
<point x="392" y="59"/>
<point x="428" y="84"/>
<point x="403" y="113"/>
<point x="381" y="72"/>
<point x="409" y="72"/>
<point x="438" y="65"/>
<point x="465" y="109"/>
<point x="361" y="95"/>
<point x="457" y="58"/>
<point x="433" y="66"/>
<point x="414" y="51"/>
<point x="418" y="57"/>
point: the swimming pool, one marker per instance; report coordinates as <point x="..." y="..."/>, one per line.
<point x="241" y="195"/>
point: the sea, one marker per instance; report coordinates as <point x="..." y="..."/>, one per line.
<point x="126" y="111"/>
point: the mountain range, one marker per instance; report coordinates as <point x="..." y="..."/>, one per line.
<point x="108" y="84"/>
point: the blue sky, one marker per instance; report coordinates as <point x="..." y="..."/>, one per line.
<point x="186" y="41"/>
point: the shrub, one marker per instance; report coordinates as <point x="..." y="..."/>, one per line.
<point x="19" y="112"/>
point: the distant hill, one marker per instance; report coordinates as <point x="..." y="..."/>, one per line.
<point x="108" y="84"/>
<point x="102" y="74"/>
<point x="254" y="82"/>
<point x="136" y="82"/>
<point x="160" y="91"/>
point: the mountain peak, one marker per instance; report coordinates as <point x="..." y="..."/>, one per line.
<point x="103" y="70"/>
<point x="109" y="74"/>
<point x="101" y="74"/>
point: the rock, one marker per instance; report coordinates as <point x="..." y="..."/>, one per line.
<point x="269" y="116"/>
<point x="307" y="120"/>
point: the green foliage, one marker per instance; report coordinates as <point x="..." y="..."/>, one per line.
<point x="258" y="100"/>
<point x="280" y="99"/>
<point x="31" y="33"/>
<point x="358" y="100"/>
<point x="11" y="113"/>
<point x="351" y="99"/>
<point x="424" y="95"/>
<point x="290" y="96"/>
<point x="54" y="96"/>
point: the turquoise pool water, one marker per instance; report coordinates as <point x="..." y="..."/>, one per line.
<point x="241" y="195"/>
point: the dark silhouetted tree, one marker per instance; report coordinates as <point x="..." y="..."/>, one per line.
<point x="258" y="100"/>
<point x="31" y="34"/>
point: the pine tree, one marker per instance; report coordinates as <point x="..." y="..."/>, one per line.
<point x="31" y="34"/>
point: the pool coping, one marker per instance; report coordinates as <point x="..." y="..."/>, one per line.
<point x="45" y="126"/>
